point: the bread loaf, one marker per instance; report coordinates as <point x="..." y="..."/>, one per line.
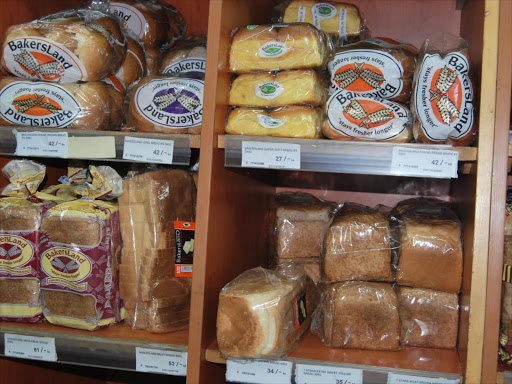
<point x="278" y="47"/>
<point x="428" y="318"/>
<point x="359" y="315"/>
<point x="339" y="19"/>
<point x="357" y="246"/>
<point x="153" y="59"/>
<point x="187" y="58"/>
<point x="299" y="122"/>
<point x="132" y="69"/>
<point x="167" y="105"/>
<point x="508" y="220"/>
<point x="442" y="100"/>
<point x="300" y="87"/>
<point x="263" y="314"/>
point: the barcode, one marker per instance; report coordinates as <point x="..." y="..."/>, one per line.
<point x="186" y="268"/>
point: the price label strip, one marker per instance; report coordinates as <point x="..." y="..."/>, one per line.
<point x="259" y="371"/>
<point x="439" y="163"/>
<point x="314" y="374"/>
<point x="45" y="144"/>
<point x="158" y="361"/>
<point x="394" y="378"/>
<point x="256" y="154"/>
<point x="148" y="150"/>
<point x="30" y="347"/>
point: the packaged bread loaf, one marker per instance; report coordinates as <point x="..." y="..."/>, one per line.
<point x="153" y="59"/>
<point x="359" y="315"/>
<point x="71" y="46"/>
<point x="295" y="121"/>
<point x="278" y="47"/>
<point x="153" y="23"/>
<point x="442" y="100"/>
<point x="358" y="246"/>
<point x="428" y="318"/>
<point x="430" y="254"/>
<point x="187" y="57"/>
<point x="166" y="104"/>
<point x="79" y="264"/>
<point x="264" y="313"/>
<point x="366" y="119"/>
<point x="376" y="68"/>
<point x="90" y="106"/>
<point x="299" y="87"/>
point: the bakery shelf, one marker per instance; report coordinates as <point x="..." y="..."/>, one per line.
<point x="339" y="156"/>
<point x="112" y="347"/>
<point x="92" y="145"/>
<point x="422" y="362"/>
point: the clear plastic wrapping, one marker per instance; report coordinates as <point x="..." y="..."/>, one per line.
<point x="153" y="60"/>
<point x="264" y="313"/>
<point x="187" y="57"/>
<point x="90" y="106"/>
<point x="442" y="99"/>
<point x="278" y="47"/>
<point x="294" y="121"/>
<point x="358" y="246"/>
<point x="428" y="318"/>
<point x="299" y="87"/>
<point x="66" y="47"/>
<point x="359" y="315"/>
<point x="166" y="104"/>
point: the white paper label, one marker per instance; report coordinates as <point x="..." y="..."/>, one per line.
<point x="46" y="144"/>
<point x="268" y="90"/>
<point x="257" y="154"/>
<point x="148" y="150"/>
<point x="259" y="371"/>
<point x="343" y="22"/>
<point x="394" y="378"/>
<point x="270" y="122"/>
<point x="30" y="347"/>
<point x="314" y="374"/>
<point x="301" y="15"/>
<point x="158" y="361"/>
<point x="132" y="18"/>
<point x="272" y="50"/>
<point x="424" y="162"/>
<point x="191" y="66"/>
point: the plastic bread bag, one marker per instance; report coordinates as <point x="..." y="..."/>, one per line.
<point x="166" y="104"/>
<point x="25" y="177"/>
<point x="106" y="184"/>
<point x="358" y="315"/>
<point x="263" y="48"/>
<point x="153" y="61"/>
<point x="155" y="24"/>
<point x="275" y="89"/>
<point x="187" y="57"/>
<point x="430" y="254"/>
<point x="342" y="20"/>
<point x="70" y="46"/>
<point x="378" y="68"/>
<point x="428" y="318"/>
<point x="351" y="117"/>
<point x="442" y="99"/>
<point x="264" y="313"/>
<point x="358" y="245"/>
<point x="508" y="220"/>
<point x="90" y="106"/>
<point x="294" y="121"/>
<point x="79" y="264"/>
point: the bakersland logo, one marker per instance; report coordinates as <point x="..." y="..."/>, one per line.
<point x="37" y="58"/>
<point x="15" y="252"/>
<point x="324" y="10"/>
<point x="193" y="66"/>
<point x="66" y="265"/>
<point x="132" y="18"/>
<point x="272" y="49"/>
<point x="270" y="122"/>
<point x="268" y="90"/>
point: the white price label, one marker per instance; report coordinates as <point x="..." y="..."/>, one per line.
<point x="394" y="378"/>
<point x="158" y="361"/>
<point x="47" y="144"/>
<point x="314" y="374"/>
<point x="30" y="347"/>
<point x="256" y="154"/>
<point x="424" y="162"/>
<point x="259" y="371"/>
<point x="148" y="150"/>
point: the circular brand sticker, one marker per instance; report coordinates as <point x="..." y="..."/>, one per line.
<point x="38" y="104"/>
<point x="324" y="10"/>
<point x="66" y="264"/>
<point x="132" y="18"/>
<point x="272" y="49"/>
<point x="174" y="102"/>
<point x="269" y="90"/>
<point x="192" y="66"/>
<point x="270" y="122"/>
<point x="15" y="251"/>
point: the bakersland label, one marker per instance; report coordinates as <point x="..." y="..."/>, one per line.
<point x="193" y="66"/>
<point x="15" y="251"/>
<point x="65" y="264"/>
<point x="272" y="50"/>
<point x="269" y="90"/>
<point x="132" y="18"/>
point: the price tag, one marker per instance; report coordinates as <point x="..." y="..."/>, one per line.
<point x="424" y="162"/>
<point x="148" y="150"/>
<point x="47" y="144"/>
<point x="158" y="361"/>
<point x="256" y="154"/>
<point x="259" y="371"/>
<point x="314" y="374"/>
<point x="30" y="347"/>
<point x="394" y="378"/>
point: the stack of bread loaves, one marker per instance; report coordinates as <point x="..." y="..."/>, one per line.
<point x="277" y="90"/>
<point x="505" y="348"/>
<point x="156" y="299"/>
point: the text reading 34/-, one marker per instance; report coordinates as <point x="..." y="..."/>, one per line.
<point x="259" y="371"/>
<point x="259" y="154"/>
<point x="314" y="374"/>
<point x="30" y="347"/>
